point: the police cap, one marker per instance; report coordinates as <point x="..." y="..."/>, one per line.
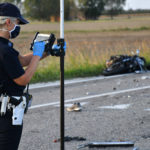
<point x="10" y="10"/>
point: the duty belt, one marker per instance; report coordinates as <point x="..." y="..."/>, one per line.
<point x="15" y="104"/>
<point x="8" y="103"/>
<point x="14" y="100"/>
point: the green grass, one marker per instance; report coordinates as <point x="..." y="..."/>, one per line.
<point x="52" y="74"/>
<point x="143" y="28"/>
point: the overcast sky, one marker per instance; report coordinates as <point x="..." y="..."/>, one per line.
<point x="137" y="4"/>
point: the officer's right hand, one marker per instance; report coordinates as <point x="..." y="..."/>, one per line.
<point x="38" y="48"/>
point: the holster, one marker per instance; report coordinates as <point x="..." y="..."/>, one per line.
<point x="20" y="107"/>
<point x="18" y="111"/>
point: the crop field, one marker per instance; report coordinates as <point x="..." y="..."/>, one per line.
<point x="89" y="44"/>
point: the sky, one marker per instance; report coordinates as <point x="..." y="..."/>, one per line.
<point x="137" y="4"/>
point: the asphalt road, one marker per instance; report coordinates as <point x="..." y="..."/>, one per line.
<point x="114" y="109"/>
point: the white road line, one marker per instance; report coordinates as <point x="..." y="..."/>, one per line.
<point x="74" y="81"/>
<point x="148" y="109"/>
<point x="121" y="106"/>
<point x="90" y="97"/>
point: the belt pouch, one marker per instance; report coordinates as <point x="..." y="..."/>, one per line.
<point x="4" y="105"/>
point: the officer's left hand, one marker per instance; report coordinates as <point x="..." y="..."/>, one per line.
<point x="65" y="46"/>
<point x="57" y="47"/>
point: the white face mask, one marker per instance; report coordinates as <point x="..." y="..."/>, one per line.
<point x="14" y="32"/>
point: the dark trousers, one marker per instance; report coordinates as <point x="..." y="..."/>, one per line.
<point x="10" y="135"/>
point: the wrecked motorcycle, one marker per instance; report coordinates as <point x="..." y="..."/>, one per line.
<point x="120" y="64"/>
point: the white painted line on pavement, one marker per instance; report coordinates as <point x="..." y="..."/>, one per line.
<point x="121" y="106"/>
<point x="92" y="96"/>
<point x="148" y="109"/>
<point x="73" y="81"/>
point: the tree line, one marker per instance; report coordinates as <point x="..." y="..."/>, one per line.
<point x="74" y="9"/>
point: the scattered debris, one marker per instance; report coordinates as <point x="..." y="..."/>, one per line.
<point x="68" y="139"/>
<point x="114" y="88"/>
<point x="146" y="136"/>
<point x="138" y="71"/>
<point x="129" y="96"/>
<point x="144" y="77"/>
<point x="87" y="93"/>
<point x="136" y="80"/>
<point x="118" y="83"/>
<point x="135" y="148"/>
<point x="106" y="144"/>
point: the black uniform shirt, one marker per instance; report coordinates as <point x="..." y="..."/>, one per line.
<point x="10" y="68"/>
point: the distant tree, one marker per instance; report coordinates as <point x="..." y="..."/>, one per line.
<point x="114" y="7"/>
<point x="12" y="1"/>
<point x="92" y="9"/>
<point x="42" y="9"/>
<point x="69" y="7"/>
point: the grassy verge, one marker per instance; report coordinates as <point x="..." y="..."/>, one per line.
<point x="48" y="74"/>
<point x="143" y="28"/>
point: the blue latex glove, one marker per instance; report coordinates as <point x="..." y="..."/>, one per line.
<point x="56" y="47"/>
<point x="56" y="50"/>
<point x="65" y="46"/>
<point x="38" y="48"/>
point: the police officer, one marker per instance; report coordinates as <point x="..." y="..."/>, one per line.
<point x="13" y="78"/>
